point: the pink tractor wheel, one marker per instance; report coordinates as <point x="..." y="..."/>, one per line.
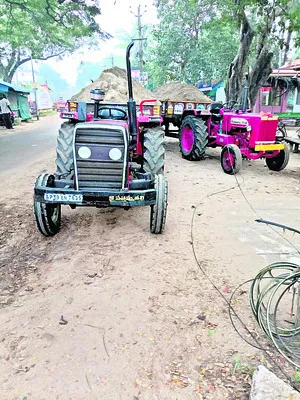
<point x="231" y="159"/>
<point x="193" y="138"/>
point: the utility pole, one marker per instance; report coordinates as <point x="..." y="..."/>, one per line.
<point x="140" y="34"/>
<point x="35" y="96"/>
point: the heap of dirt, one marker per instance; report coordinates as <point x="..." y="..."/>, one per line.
<point x="177" y="91"/>
<point x="114" y="83"/>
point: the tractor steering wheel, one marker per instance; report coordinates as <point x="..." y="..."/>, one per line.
<point x="110" y="115"/>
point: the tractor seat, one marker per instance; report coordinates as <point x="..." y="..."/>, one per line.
<point x="112" y="113"/>
<point x="215" y="112"/>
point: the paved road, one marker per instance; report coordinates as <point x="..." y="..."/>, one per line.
<point x="26" y="145"/>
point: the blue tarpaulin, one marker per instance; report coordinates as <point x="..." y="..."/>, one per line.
<point x="17" y="96"/>
<point x="5" y="86"/>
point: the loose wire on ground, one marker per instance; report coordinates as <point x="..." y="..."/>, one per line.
<point x="229" y="303"/>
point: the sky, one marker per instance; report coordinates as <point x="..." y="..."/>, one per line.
<point x="117" y="15"/>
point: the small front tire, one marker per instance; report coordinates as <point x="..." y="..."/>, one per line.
<point x="158" y="211"/>
<point x="279" y="162"/>
<point x="231" y="159"/>
<point x="47" y="216"/>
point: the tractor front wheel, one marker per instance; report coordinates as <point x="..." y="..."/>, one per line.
<point x="158" y="211"/>
<point x="64" y="151"/>
<point x="47" y="216"/>
<point x="280" y="161"/>
<point x="154" y="151"/>
<point x="193" y="138"/>
<point x="231" y="159"/>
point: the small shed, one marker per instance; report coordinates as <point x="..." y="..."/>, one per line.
<point x="18" y="98"/>
<point x="281" y="93"/>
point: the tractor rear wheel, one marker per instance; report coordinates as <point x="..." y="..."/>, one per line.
<point x="158" y="211"/>
<point x="193" y="138"/>
<point x="231" y="159"/>
<point x="47" y="216"/>
<point x="154" y="150"/>
<point x="280" y="161"/>
<point x="64" y="151"/>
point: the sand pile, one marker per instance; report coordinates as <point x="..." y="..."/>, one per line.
<point x="114" y="83"/>
<point x="177" y="91"/>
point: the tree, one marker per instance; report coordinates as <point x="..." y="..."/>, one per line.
<point x="266" y="27"/>
<point x="192" y="41"/>
<point x="209" y="39"/>
<point x="43" y="29"/>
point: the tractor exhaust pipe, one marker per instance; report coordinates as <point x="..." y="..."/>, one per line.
<point x="131" y="103"/>
<point x="244" y="100"/>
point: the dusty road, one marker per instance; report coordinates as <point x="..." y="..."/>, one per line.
<point x="131" y="299"/>
<point x="17" y="148"/>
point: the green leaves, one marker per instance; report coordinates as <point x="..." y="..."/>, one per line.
<point x="192" y="41"/>
<point x="44" y="28"/>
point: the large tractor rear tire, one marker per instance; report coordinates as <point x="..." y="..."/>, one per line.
<point x="279" y="162"/>
<point x="47" y="216"/>
<point x="64" y="151"/>
<point x="193" y="138"/>
<point x="158" y="211"/>
<point x="154" y="151"/>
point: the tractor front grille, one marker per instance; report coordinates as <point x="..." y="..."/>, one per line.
<point x="95" y="147"/>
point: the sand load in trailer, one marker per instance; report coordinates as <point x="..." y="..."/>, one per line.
<point x="179" y="100"/>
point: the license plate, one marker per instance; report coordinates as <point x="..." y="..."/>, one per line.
<point x="67" y="115"/>
<point x="57" y="197"/>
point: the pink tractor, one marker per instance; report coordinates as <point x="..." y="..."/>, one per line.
<point x="240" y="133"/>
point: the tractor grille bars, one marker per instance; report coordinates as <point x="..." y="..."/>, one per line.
<point x="97" y="148"/>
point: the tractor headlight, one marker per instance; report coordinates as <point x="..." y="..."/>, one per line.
<point x="97" y="94"/>
<point x="115" y="154"/>
<point x="248" y="128"/>
<point x="84" y="152"/>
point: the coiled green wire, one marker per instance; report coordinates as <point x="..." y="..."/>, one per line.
<point x="268" y="297"/>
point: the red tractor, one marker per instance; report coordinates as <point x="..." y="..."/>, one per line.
<point x="114" y="160"/>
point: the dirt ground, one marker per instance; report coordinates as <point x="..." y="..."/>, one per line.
<point x="141" y="320"/>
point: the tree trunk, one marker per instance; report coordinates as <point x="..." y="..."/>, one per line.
<point x="259" y="73"/>
<point x="236" y="68"/>
<point x="262" y="68"/>
<point x="287" y="46"/>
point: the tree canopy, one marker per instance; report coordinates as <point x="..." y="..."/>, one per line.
<point x="42" y="29"/>
<point x="209" y="39"/>
<point x="192" y="41"/>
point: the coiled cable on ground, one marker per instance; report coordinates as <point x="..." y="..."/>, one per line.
<point x="287" y="280"/>
<point x="275" y="303"/>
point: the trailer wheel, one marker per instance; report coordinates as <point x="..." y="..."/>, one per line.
<point x="158" y="211"/>
<point x="193" y="138"/>
<point x="280" y="161"/>
<point x="47" y="216"/>
<point x="64" y="151"/>
<point x="231" y="159"/>
<point x="154" y="150"/>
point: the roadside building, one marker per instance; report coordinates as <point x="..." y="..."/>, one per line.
<point x="18" y="98"/>
<point x="281" y="93"/>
